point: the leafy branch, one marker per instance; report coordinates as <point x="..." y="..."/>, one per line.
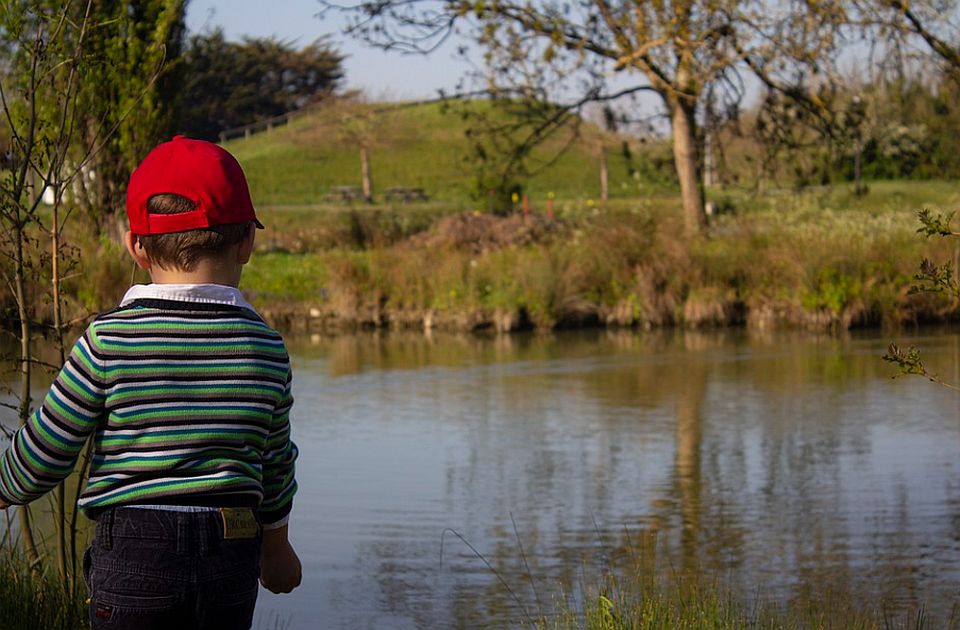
<point x="935" y="224"/>
<point x="931" y="278"/>
<point x="909" y="362"/>
<point x="935" y="279"/>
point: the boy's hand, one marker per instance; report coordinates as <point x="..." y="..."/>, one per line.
<point x="280" y="570"/>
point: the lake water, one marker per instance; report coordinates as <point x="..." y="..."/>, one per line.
<point x="785" y="466"/>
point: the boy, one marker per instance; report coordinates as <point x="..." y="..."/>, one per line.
<point x="187" y="394"/>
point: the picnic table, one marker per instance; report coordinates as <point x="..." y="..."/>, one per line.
<point x="404" y="194"/>
<point x="344" y="194"/>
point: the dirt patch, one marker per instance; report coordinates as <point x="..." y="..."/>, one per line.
<point x="481" y="232"/>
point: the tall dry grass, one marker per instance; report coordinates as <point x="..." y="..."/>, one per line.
<point x="818" y="269"/>
<point x="802" y="261"/>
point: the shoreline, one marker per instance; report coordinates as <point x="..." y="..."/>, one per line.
<point x="798" y="264"/>
<point x="299" y="319"/>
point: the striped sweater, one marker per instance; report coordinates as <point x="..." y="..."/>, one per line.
<point x="188" y="404"/>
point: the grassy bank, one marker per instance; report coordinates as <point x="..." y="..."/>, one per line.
<point x="642" y="589"/>
<point x="649" y="603"/>
<point x="817" y="260"/>
<point x="31" y="602"/>
<point x="822" y="259"/>
<point x="689" y="606"/>
<point x="427" y="146"/>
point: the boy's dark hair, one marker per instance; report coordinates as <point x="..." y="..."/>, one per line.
<point x="184" y="250"/>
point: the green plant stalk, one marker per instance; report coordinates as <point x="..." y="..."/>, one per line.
<point x="61" y="515"/>
<point x="23" y="412"/>
<point x="81" y="475"/>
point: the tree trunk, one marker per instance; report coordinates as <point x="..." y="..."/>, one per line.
<point x="604" y="176"/>
<point x="26" y="361"/>
<point x="365" y="177"/>
<point x="685" y="160"/>
<point x="61" y="492"/>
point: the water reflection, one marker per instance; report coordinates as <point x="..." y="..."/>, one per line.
<point x="687" y="472"/>
<point x="787" y="466"/>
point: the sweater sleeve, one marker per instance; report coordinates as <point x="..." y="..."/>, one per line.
<point x="280" y="453"/>
<point x="44" y="450"/>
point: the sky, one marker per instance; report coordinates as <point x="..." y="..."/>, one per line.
<point x="382" y="76"/>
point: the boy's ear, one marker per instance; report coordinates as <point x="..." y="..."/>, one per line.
<point x="136" y="251"/>
<point x="246" y="245"/>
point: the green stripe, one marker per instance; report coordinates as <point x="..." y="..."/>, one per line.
<point x="175" y="487"/>
<point x="105" y="326"/>
<point x="188" y="411"/>
<point x="83" y="359"/>
<point x="154" y="464"/>
<point x="140" y="392"/>
<point x="5" y="478"/>
<point x="195" y="369"/>
<point x="198" y="346"/>
<point x="186" y="440"/>
<point x="36" y="465"/>
<point x="82" y="421"/>
<point x="72" y="382"/>
<point x="52" y="439"/>
<point x="280" y="500"/>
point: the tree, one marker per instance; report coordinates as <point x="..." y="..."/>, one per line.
<point x="229" y="84"/>
<point x="41" y="93"/>
<point x="501" y="134"/>
<point x="933" y="22"/>
<point x="63" y="122"/>
<point x="359" y="126"/>
<point x="674" y="49"/>
<point x="128" y="93"/>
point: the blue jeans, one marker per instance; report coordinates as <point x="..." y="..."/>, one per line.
<point x="151" y="569"/>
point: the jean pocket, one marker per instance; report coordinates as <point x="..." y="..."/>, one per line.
<point x="126" y="611"/>
<point x="229" y="602"/>
<point x="233" y="589"/>
<point x="136" y="602"/>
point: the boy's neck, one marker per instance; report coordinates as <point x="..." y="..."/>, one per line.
<point x="208" y="271"/>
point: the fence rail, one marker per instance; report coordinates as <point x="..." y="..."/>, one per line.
<point x="245" y="131"/>
<point x="267" y="124"/>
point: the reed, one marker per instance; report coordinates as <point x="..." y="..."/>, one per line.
<point x="806" y="267"/>
<point x="692" y="604"/>
<point x="821" y="261"/>
<point x="29" y="601"/>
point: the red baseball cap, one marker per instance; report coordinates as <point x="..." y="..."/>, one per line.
<point x="201" y="171"/>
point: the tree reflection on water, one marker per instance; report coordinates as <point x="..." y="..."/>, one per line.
<point x="786" y="468"/>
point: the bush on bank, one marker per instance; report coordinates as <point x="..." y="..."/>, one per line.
<point x="800" y="261"/>
<point x="619" y="267"/>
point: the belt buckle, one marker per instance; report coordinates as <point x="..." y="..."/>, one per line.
<point x="238" y="523"/>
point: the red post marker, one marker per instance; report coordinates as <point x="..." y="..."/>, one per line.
<point x="526" y="205"/>
<point x="550" y="208"/>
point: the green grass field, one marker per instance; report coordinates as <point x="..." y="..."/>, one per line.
<point x="422" y="146"/>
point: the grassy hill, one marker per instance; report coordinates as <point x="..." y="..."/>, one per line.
<point x="422" y="146"/>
